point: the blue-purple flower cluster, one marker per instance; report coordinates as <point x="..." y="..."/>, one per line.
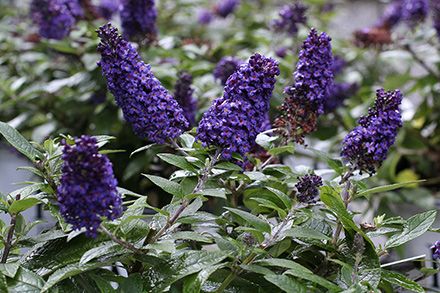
<point x="87" y="190"/>
<point x="290" y="16"/>
<point x="435" y="5"/>
<point x="392" y="15"/>
<point x="314" y="69"/>
<point x="436" y="250"/>
<point x="138" y="19"/>
<point x="415" y="11"/>
<point x="367" y="145"/>
<point x="225" y="7"/>
<point x="55" y="18"/>
<point x="151" y="110"/>
<point x="183" y="93"/>
<point x="313" y="80"/>
<point x="226" y="67"/>
<point x="107" y="8"/>
<point x="205" y="16"/>
<point x="308" y="188"/>
<point x="234" y="120"/>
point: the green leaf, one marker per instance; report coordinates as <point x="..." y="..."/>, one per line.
<point x="299" y="271"/>
<point x="413" y="228"/>
<point x="19" y="142"/>
<point x="282" y="196"/>
<point x="215" y="192"/>
<point x="144" y="148"/>
<point x="301" y="232"/>
<point x="25" y="281"/>
<point x="129" y="220"/>
<point x="402" y="281"/>
<point x="385" y="188"/>
<point x="105" y="248"/>
<point x="67" y="272"/>
<point x="9" y="269"/>
<point x="286" y="283"/>
<point x="132" y="284"/>
<point x="228" y="166"/>
<point x="286" y="149"/>
<point x="168" y="186"/>
<point x="162" y="273"/>
<point x="194" y="236"/>
<point x="265" y="140"/>
<point x="253" y="220"/>
<point x="177" y="161"/>
<point x="22" y="205"/>
<point x="194" y="283"/>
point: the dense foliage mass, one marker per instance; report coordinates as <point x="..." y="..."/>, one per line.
<point x="220" y="146"/>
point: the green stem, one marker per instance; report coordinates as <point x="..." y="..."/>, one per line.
<point x="200" y="184"/>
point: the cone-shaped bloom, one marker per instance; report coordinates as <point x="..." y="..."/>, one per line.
<point x="87" y="190"/>
<point x="308" y="188"/>
<point x="436" y="249"/>
<point x="226" y="67"/>
<point x="55" y="18"/>
<point x="234" y="120"/>
<point x="150" y="109"/>
<point x="415" y="11"/>
<point x="313" y="80"/>
<point x="392" y="15"/>
<point x="107" y="8"/>
<point x="139" y="19"/>
<point x="225" y="7"/>
<point x="290" y="16"/>
<point x="183" y="93"/>
<point x="367" y="145"/>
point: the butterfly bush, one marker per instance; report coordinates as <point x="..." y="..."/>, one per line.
<point x="313" y="80"/>
<point x="205" y="16"/>
<point x="414" y="11"/>
<point x="436" y="249"/>
<point x="435" y="7"/>
<point x="290" y="16"/>
<point x="225" y="7"/>
<point x="138" y="19"/>
<point x="308" y="188"/>
<point x="54" y="18"/>
<point x="107" y="8"/>
<point x="367" y="145"/>
<point x="150" y="109"/>
<point x="87" y="189"/>
<point x="183" y="93"/>
<point x="392" y="14"/>
<point x="226" y="67"/>
<point x="234" y="120"/>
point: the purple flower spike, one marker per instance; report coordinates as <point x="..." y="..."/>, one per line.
<point x="151" y="110"/>
<point x="205" y="16"/>
<point x="107" y="8"/>
<point x="313" y="81"/>
<point x="183" y="93"/>
<point x="290" y="17"/>
<point x="367" y="145"/>
<point x="308" y="188"/>
<point x="226" y="67"/>
<point x="55" y="18"/>
<point x="225" y="7"/>
<point x="436" y="248"/>
<point x="435" y="6"/>
<point x="87" y="190"/>
<point x="139" y="19"/>
<point x="234" y="120"/>
<point x="392" y="15"/>
<point x="415" y="11"/>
